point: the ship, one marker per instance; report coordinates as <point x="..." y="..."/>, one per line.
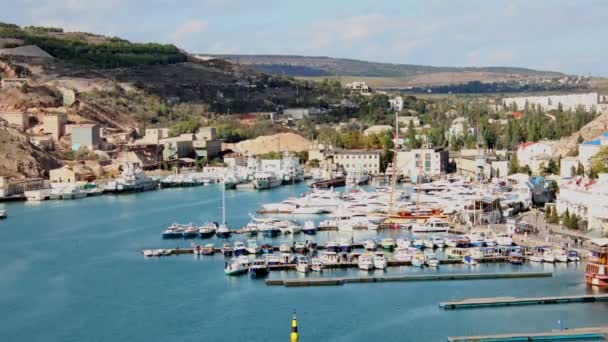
<point x="132" y="179"/>
<point x="597" y="265"/>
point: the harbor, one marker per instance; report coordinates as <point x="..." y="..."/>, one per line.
<point x="508" y="301"/>
<point x="121" y="227"/>
<point x="577" y="334"/>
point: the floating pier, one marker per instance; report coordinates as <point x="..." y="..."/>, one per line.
<point x="509" y="301"/>
<point x="568" y="334"/>
<point x="409" y="277"/>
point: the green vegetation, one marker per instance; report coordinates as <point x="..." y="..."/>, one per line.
<point x="92" y="50"/>
<point x="599" y="163"/>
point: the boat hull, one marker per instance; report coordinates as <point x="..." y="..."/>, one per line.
<point x="260" y="272"/>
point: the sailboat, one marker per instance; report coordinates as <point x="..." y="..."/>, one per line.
<point x="223" y="231"/>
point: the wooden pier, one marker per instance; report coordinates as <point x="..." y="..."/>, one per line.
<point x="511" y="301"/>
<point x="567" y="334"/>
<point x="408" y="277"/>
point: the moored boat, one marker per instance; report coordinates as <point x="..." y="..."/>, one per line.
<point x="236" y="266"/>
<point x="370" y="245"/>
<point x="388" y="244"/>
<point x="208" y="249"/>
<point x="309" y="228"/>
<point x="253" y="248"/>
<point x="223" y="232"/>
<point x="302" y="264"/>
<point x="239" y="248"/>
<point x="380" y="261"/>
<point x="366" y="262"/>
<point x="258" y="269"/>
<point x="516" y="258"/>
<point x="431" y="260"/>
<point x="316" y="265"/>
<point x="227" y="249"/>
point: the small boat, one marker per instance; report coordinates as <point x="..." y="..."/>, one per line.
<point x="428" y="243"/>
<point x="258" y="269"/>
<point x="573" y="256"/>
<point x="489" y="241"/>
<point x="208" y="249"/>
<point x="299" y="247"/>
<point x="366" y="262"/>
<point x="388" y="244"/>
<point x="148" y="253"/>
<point x="345" y="246"/>
<point x="197" y="250"/>
<point x="270" y="231"/>
<point x="516" y="258"/>
<point x="316" y="265"/>
<point x="190" y="233"/>
<point x="469" y="260"/>
<point x="332" y="246"/>
<point x="370" y="245"/>
<point x="438" y="242"/>
<point x="504" y="240"/>
<point x="302" y="265"/>
<point x="311" y="246"/>
<point x="239" y="248"/>
<point x="287" y="258"/>
<point x="236" y="266"/>
<point x="431" y="260"/>
<point x="548" y="256"/>
<point x="418" y="243"/>
<point x="173" y="233"/>
<point x="418" y="260"/>
<point x="536" y="257"/>
<point x="404" y="254"/>
<point x="267" y="248"/>
<point x="272" y="260"/>
<point x="309" y="228"/>
<point x="223" y="232"/>
<point x="403" y="243"/>
<point x="329" y="257"/>
<point x="251" y="228"/>
<point x="380" y="261"/>
<point x="285" y="247"/>
<point x="227" y="249"/>
<point x="560" y="255"/>
<point x="206" y="232"/>
<point x="252" y="247"/>
<point x="450" y="242"/>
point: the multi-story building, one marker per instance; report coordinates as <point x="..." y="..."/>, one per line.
<point x="429" y="162"/>
<point x="396" y="103"/>
<point x="54" y="124"/>
<point x="357" y="160"/>
<point x="586" y="198"/>
<point x="528" y="151"/>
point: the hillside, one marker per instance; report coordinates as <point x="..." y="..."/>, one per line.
<point x="277" y="142"/>
<point x="20" y="158"/>
<point x="302" y="66"/>
<point x="568" y="145"/>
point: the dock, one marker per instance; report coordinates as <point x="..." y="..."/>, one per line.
<point x="511" y="301"/>
<point x="336" y="281"/>
<point x="567" y="334"/>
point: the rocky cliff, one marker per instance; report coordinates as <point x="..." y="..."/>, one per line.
<point x="19" y="158"/>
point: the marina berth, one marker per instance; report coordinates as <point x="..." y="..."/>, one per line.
<point x="207" y="231"/>
<point x="226" y="249"/>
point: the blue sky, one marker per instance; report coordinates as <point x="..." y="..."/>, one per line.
<point x="567" y="36"/>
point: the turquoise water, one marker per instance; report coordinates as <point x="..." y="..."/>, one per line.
<point x="73" y="271"/>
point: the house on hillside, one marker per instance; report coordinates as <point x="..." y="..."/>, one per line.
<point x="588" y="149"/>
<point x="86" y="136"/>
<point x="378" y="129"/>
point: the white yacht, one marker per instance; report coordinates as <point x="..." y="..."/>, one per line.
<point x="3" y="214"/>
<point x="366" y="262"/>
<point x="357" y="178"/>
<point x="253" y="247"/>
<point x="132" y="179"/>
<point x="266" y="180"/>
<point x="548" y="256"/>
<point x="433" y="225"/>
<point x="370" y="245"/>
<point x="380" y="261"/>
<point x="302" y="265"/>
<point x="329" y="257"/>
<point x="405" y="254"/>
<point x="316" y="265"/>
<point x="504" y="240"/>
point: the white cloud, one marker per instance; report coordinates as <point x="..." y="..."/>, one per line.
<point x="189" y="28"/>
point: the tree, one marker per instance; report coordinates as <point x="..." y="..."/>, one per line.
<point x="551" y="168"/>
<point x="554" y="216"/>
<point x="599" y="163"/>
<point x="572" y="171"/>
<point x="580" y="139"/>
<point x="548" y="212"/>
<point x="580" y="170"/>
<point x="567" y="220"/>
<point x="513" y="164"/>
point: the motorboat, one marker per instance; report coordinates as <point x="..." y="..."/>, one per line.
<point x="270" y="231"/>
<point x="428" y="243"/>
<point x="285" y="247"/>
<point x="476" y="240"/>
<point x="388" y="244"/>
<point x="173" y="232"/>
<point x="251" y="228"/>
<point x="380" y="261"/>
<point x="438" y="242"/>
<point x="418" y="260"/>
<point x="258" y="269"/>
<point x="239" y="248"/>
<point x="253" y="248"/>
<point x="418" y="243"/>
<point x="267" y="248"/>
<point x="355" y="178"/>
<point x="287" y="258"/>
<point x="329" y="257"/>
<point x="450" y="242"/>
<point x="504" y="240"/>
<point x="548" y="256"/>
<point x="573" y="256"/>
<point x="536" y="257"/>
<point x="560" y="255"/>
<point x="291" y="228"/>
<point x="345" y="246"/>
<point x="309" y="228"/>
<point x="223" y="232"/>
<point x="516" y="258"/>
<point x="236" y="266"/>
<point x="431" y="260"/>
<point x="316" y="265"/>
<point x="148" y="253"/>
<point x="227" y="249"/>
<point x="404" y="254"/>
<point x="469" y="260"/>
<point x="299" y="247"/>
<point x="208" y="249"/>
<point x="456" y="253"/>
<point x="311" y="246"/>
<point x="197" y="250"/>
<point x="190" y="233"/>
<point x="366" y="262"/>
<point x="302" y="264"/>
<point x="403" y="243"/>
<point x="489" y="241"/>
<point x="433" y="225"/>
<point x="207" y="231"/>
<point x="332" y="246"/>
<point x="266" y="180"/>
<point x="370" y="245"/>
<point x="272" y="260"/>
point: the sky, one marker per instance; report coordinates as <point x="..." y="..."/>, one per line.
<point x="558" y="35"/>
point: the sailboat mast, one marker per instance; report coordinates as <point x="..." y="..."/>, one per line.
<point x="394" y="165"/>
<point x="224" y="204"/>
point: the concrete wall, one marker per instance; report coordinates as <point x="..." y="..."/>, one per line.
<point x="86" y="136"/>
<point x="551" y="102"/>
<point x="54" y="124"/>
<point x="18" y="120"/>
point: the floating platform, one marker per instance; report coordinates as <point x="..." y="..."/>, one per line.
<point x="409" y="277"/>
<point x="511" y="301"/>
<point x="562" y="335"/>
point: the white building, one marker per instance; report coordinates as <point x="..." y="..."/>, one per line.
<point x="566" y="165"/>
<point x="358" y="160"/>
<point x="528" y="151"/>
<point x="589" y="101"/>
<point x="396" y="103"/>
<point x="457" y="127"/>
<point x="378" y="129"/>
<point x="429" y="162"/>
<point x="589" y="149"/>
<point x="303" y="113"/>
<point x="359" y="86"/>
<point x="586" y="198"/>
